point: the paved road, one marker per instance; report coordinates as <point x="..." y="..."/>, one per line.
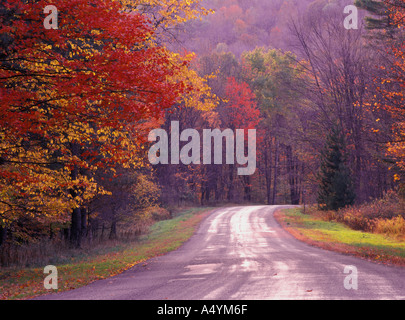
<point x="242" y="253"/>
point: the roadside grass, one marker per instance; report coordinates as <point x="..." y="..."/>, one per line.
<point x="163" y="237"/>
<point x="338" y="237"/>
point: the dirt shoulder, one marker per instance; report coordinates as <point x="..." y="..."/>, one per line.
<point x="334" y="236"/>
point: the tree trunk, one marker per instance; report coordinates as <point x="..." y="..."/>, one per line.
<point x="292" y="170"/>
<point x="231" y="181"/>
<point x="102" y="231"/>
<point x="83" y="227"/>
<point x="3" y="235"/>
<point x="247" y="188"/>
<point x="75" y="228"/>
<point x="113" y="230"/>
<point x="276" y="157"/>
<point x="268" y="171"/>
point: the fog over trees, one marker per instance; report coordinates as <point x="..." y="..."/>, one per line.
<point x="240" y="25"/>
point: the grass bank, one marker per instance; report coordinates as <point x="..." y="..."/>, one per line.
<point x="336" y="236"/>
<point x="163" y="237"/>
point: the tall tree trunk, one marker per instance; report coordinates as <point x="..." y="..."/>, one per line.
<point x="216" y="191"/>
<point x="247" y="188"/>
<point x="203" y="190"/>
<point x="276" y="160"/>
<point x="268" y="171"/>
<point x="76" y="222"/>
<point x="292" y="170"/>
<point x="102" y="231"/>
<point x="207" y="193"/>
<point x="83" y="221"/>
<point x="75" y="229"/>
<point x="90" y="227"/>
<point x="3" y="235"/>
<point x="231" y="182"/>
<point x="113" y="230"/>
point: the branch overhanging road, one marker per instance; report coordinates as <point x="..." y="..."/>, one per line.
<point x="242" y="253"/>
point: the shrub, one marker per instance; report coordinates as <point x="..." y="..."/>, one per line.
<point x="389" y="206"/>
<point x="392" y="227"/>
<point x="355" y="219"/>
<point x="385" y="215"/>
<point x="159" y="214"/>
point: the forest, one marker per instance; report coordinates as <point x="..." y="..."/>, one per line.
<point x="79" y="101"/>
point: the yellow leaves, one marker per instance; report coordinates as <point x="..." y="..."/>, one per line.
<point x="199" y="95"/>
<point x="167" y="14"/>
<point x="95" y="32"/>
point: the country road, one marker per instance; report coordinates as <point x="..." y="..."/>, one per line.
<point x="242" y="253"/>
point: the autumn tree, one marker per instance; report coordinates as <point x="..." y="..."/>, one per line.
<point x="240" y="112"/>
<point x="275" y="78"/>
<point x="390" y="84"/>
<point x="77" y="100"/>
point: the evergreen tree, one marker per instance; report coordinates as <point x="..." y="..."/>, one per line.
<point x="336" y="189"/>
<point x="379" y="19"/>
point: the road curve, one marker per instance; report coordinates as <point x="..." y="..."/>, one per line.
<point x="242" y="253"/>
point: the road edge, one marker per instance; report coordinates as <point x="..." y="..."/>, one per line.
<point x="341" y="248"/>
<point x="34" y="284"/>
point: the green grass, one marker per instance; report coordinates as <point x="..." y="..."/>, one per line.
<point x="337" y="236"/>
<point x="163" y="237"/>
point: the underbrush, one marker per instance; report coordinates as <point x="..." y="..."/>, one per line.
<point x="45" y="251"/>
<point x="382" y="216"/>
<point x="395" y="226"/>
<point x="336" y="236"/>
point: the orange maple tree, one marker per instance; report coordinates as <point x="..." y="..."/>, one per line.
<point x="393" y="84"/>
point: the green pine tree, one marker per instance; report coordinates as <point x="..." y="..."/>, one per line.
<point x="336" y="188"/>
<point x="379" y="19"/>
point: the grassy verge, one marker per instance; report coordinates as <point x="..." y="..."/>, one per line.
<point x="164" y="236"/>
<point x="338" y="237"/>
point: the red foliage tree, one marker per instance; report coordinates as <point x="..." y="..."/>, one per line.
<point x="74" y="100"/>
<point x="241" y="112"/>
<point x="241" y="109"/>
